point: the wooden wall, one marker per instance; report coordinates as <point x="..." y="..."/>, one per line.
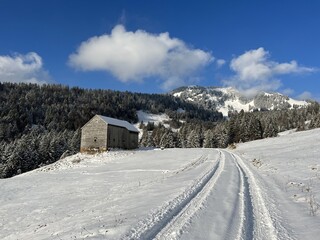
<point x="133" y="141"/>
<point x="117" y="137"/>
<point x="94" y="135"/>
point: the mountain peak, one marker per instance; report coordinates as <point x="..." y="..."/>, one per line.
<point x="228" y="99"/>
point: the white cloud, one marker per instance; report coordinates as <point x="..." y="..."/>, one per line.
<point x="288" y="91"/>
<point x="123" y="17"/>
<point x="254" y="72"/>
<point x="221" y="62"/>
<point x="135" y="56"/>
<point x="305" y="96"/>
<point x="23" y="68"/>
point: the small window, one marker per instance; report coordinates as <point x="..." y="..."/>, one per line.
<point x="95" y="139"/>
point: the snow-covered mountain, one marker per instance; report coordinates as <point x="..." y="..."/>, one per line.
<point x="229" y="99"/>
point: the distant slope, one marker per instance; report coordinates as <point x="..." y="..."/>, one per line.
<point x="229" y="99"/>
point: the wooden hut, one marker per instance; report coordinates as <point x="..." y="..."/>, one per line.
<point x="102" y="133"/>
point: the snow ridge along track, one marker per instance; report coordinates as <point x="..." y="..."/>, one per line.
<point x="263" y="224"/>
<point x="227" y="211"/>
<point x="172" y="229"/>
<point x="167" y="222"/>
<point x="245" y="229"/>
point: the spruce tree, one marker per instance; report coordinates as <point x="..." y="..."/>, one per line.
<point x="194" y="139"/>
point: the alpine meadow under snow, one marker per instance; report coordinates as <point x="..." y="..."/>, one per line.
<point x="265" y="189"/>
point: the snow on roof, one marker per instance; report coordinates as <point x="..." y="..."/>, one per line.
<point x="120" y="123"/>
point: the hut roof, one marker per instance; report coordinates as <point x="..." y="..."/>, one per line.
<point x="120" y="123"/>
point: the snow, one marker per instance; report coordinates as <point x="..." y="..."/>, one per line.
<point x="180" y="110"/>
<point x="230" y="99"/>
<point x="224" y="110"/>
<point x="293" y="102"/>
<point x="235" y="105"/>
<point x="289" y="170"/>
<point x="154" y="118"/>
<point x="146" y="117"/>
<point x="102" y="196"/>
<point x="212" y="98"/>
<point x="284" y="133"/>
<point x="117" y="122"/>
<point x="177" y="94"/>
<point x="266" y="189"/>
<point x="226" y="90"/>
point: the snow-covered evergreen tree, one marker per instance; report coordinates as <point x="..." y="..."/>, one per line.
<point x="167" y="140"/>
<point x="194" y="139"/>
<point x="270" y="128"/>
<point x="222" y="135"/>
<point x="147" y="139"/>
<point x="210" y="140"/>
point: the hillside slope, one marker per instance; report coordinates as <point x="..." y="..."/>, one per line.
<point x="261" y="190"/>
<point x="289" y="170"/>
<point x="38" y="124"/>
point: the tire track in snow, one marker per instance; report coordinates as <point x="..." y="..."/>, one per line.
<point x="173" y="229"/>
<point x="192" y="165"/>
<point x="226" y="211"/>
<point x="245" y="230"/>
<point x="249" y="217"/>
<point x="166" y="223"/>
<point x="263" y="227"/>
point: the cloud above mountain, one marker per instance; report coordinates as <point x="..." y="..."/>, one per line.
<point x="137" y="56"/>
<point x="254" y="72"/>
<point x="305" y="96"/>
<point x="26" y="68"/>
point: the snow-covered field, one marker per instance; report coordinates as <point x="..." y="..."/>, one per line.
<point x="261" y="190"/>
<point x="289" y="169"/>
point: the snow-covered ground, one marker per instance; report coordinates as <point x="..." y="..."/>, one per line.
<point x="236" y="105"/>
<point x="146" y="117"/>
<point x="261" y="190"/>
<point x="289" y="169"/>
<point x="153" y="118"/>
<point x="157" y="119"/>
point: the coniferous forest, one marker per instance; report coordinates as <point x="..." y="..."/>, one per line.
<point x="41" y="124"/>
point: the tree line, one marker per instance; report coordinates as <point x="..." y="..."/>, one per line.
<point x="240" y="127"/>
<point x="41" y="124"/>
<point x="38" y="124"/>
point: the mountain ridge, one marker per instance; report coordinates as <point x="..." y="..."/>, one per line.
<point x="228" y="99"/>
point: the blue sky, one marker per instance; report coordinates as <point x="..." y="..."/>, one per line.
<point x="155" y="46"/>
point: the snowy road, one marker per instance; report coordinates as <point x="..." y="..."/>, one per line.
<point x="228" y="204"/>
<point x="227" y="211"/>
